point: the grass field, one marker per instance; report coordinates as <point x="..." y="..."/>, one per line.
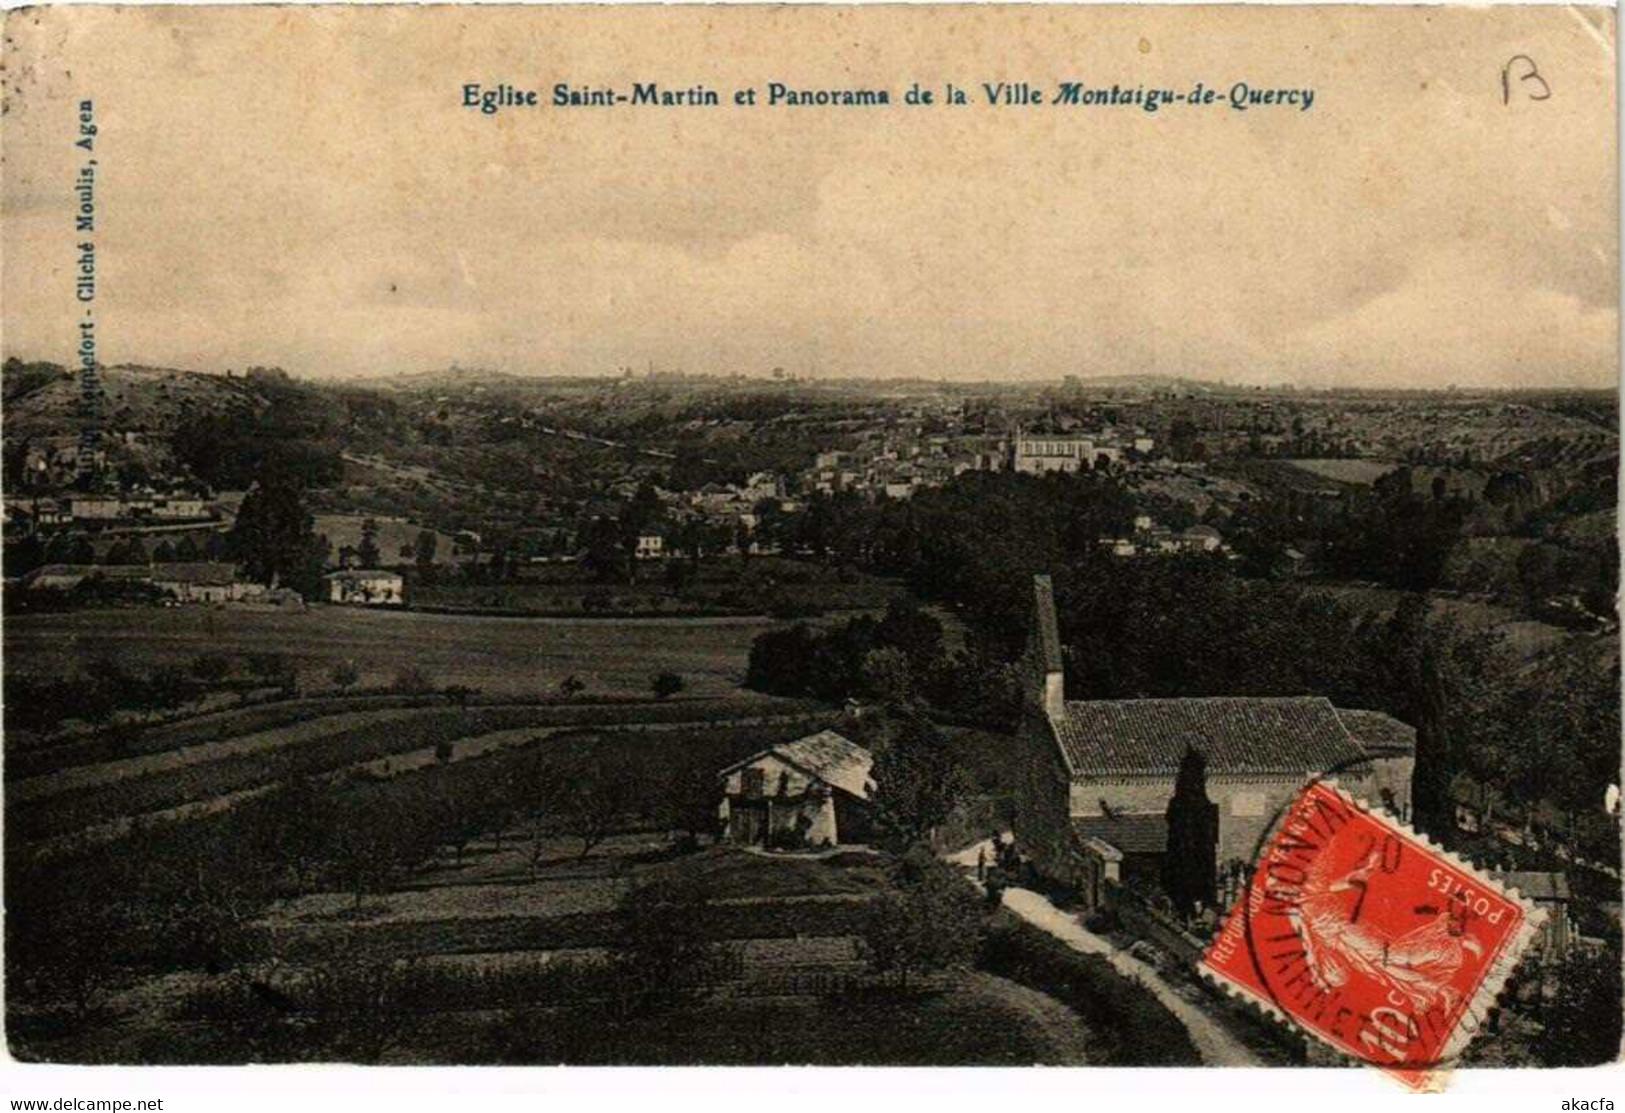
<point x="1279" y="476"/>
<point x="1525" y="638"/>
<point x="513" y="656"/>
<point x="1363" y="472"/>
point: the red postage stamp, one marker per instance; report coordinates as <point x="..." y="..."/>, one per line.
<point x="1368" y="937"/>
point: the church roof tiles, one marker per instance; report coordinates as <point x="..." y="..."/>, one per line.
<point x="1291" y="735"/>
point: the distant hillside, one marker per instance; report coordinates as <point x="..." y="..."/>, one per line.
<point x="450" y="378"/>
<point x="165" y="425"/>
<point x="151" y="400"/>
<point x="19" y="379"/>
<point x="1149" y="383"/>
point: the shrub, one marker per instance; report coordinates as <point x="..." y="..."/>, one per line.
<point x="931" y="922"/>
<point x="266" y="666"/>
<point x="665" y="684"/>
<point x="786" y="838"/>
<point x="1102" y="921"/>
<point x="412" y="680"/>
<point x="460" y="694"/>
<point x="664" y="957"/>
<point x="211" y="668"/>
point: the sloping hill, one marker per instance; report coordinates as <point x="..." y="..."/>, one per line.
<point x="150" y="400"/>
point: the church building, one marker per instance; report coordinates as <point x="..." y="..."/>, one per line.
<point x="1097" y="775"/>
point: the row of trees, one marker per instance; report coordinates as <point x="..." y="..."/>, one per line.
<point x="28" y="553"/>
<point x="106" y="686"/>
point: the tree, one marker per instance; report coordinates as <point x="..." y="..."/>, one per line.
<point x="126" y="552"/>
<point x="887" y="675"/>
<point x="676" y="576"/>
<point x="664" y="956"/>
<point x="931" y="920"/>
<point x="694" y="538"/>
<point x="782" y="662"/>
<point x="359" y="1005"/>
<point x="908" y="628"/>
<point x="1450" y="684"/>
<point x="687" y="802"/>
<point x="917" y="781"/>
<point x="370" y="846"/>
<point x="344" y="675"/>
<point x="274" y="537"/>
<point x="266" y="665"/>
<point x="59" y="953"/>
<point x="424" y="553"/>
<point x="367" y="552"/>
<point x="1191" y="863"/>
<point x="665" y="684"/>
<point x="601" y="549"/>
<point x="594" y="795"/>
<point x="163" y="553"/>
<point x="1581" y="1026"/>
<point x="637" y="518"/>
<point x="211" y="668"/>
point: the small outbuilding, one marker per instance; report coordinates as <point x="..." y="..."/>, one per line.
<point x="1549" y="891"/>
<point x="812" y="792"/>
<point x="367" y="587"/>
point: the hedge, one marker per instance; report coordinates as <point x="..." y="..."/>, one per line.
<point x="1138" y="1029"/>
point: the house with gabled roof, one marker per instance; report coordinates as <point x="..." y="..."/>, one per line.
<point x="1097" y="775"/>
<point x="814" y="791"/>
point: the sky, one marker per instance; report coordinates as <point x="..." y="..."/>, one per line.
<point x="302" y="187"/>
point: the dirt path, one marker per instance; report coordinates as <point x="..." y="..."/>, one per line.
<point x="1217" y="1047"/>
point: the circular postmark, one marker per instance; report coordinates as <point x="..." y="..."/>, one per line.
<point x="1358" y="930"/>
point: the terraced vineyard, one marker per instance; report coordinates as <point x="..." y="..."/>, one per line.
<point x="106" y="795"/>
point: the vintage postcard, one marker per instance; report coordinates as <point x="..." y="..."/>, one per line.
<point x="942" y="536"/>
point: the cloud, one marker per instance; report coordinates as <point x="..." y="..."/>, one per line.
<point x="1457" y="318"/>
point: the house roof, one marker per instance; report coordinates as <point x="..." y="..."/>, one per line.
<point x="1132" y="834"/>
<point x="832" y="758"/>
<point x="1535" y="885"/>
<point x="1378" y="733"/>
<point x="84" y="571"/>
<point x="1298" y="734"/>
<point x="202" y="572"/>
<point x="355" y="574"/>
